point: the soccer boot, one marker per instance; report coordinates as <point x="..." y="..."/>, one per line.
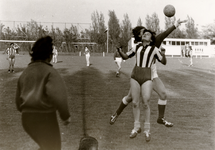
<point x="117" y="74"/>
<point x="113" y="118"/>
<point x="147" y="135"/>
<point x="164" y="122"/>
<point x="190" y="65"/>
<point x="134" y="133"/>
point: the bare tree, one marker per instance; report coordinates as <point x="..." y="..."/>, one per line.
<point x="114" y="29"/>
<point x="209" y="32"/>
<point x="177" y="33"/>
<point x="191" y="29"/>
<point x="126" y="33"/>
<point x="139" y="22"/>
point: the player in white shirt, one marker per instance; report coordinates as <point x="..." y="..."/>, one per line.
<point x="55" y="54"/>
<point x="87" y="55"/>
<point x="118" y="61"/>
<point x="189" y="53"/>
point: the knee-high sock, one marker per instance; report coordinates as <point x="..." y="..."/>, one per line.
<point x="136" y="113"/>
<point x="147" y="113"/>
<point x="136" y="125"/>
<point x="161" y="107"/>
<point x="146" y="126"/>
<point x="122" y="105"/>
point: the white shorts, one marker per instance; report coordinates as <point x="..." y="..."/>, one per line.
<point x="118" y="59"/>
<point x="154" y="71"/>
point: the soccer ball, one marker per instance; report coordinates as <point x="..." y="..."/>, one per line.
<point x="169" y="10"/>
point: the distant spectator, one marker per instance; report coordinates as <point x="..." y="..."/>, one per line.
<point x="189" y="53"/>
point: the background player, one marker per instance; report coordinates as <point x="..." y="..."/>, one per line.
<point x="118" y="61"/>
<point x="87" y="55"/>
<point x="55" y="54"/>
<point x="189" y="53"/>
<point x="158" y="85"/>
<point x="11" y="57"/>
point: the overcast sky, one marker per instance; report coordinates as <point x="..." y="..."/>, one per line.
<point x="79" y="11"/>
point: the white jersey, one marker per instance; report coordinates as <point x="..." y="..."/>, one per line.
<point x="87" y="52"/>
<point x="55" y="52"/>
<point x="154" y="71"/>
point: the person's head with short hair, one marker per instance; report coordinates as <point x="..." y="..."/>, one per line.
<point x="11" y="44"/>
<point x="88" y="143"/>
<point x="42" y="49"/>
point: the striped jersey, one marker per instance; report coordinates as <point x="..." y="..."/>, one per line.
<point x="11" y="51"/>
<point x="144" y="55"/>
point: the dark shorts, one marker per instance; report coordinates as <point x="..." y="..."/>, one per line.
<point x="188" y="53"/>
<point x="12" y="56"/>
<point x="141" y="75"/>
<point x="43" y="128"/>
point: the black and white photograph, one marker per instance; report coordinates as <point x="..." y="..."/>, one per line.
<point x="107" y="75"/>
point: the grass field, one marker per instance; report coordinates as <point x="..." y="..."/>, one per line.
<point x="95" y="93"/>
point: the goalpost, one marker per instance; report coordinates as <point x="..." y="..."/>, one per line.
<point x="24" y="46"/>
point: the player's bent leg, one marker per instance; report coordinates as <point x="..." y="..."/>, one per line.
<point x="129" y="97"/>
<point x="119" y="110"/>
<point x="160" y="89"/>
<point x="135" y="92"/>
<point x="124" y="103"/>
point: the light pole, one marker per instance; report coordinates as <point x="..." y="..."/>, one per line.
<point x="106" y="31"/>
<point x="107" y="39"/>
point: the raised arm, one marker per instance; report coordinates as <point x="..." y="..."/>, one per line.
<point x="160" y="37"/>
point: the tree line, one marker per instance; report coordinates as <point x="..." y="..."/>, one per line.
<point x="118" y="32"/>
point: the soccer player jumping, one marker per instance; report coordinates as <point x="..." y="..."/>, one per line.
<point x="158" y="85"/>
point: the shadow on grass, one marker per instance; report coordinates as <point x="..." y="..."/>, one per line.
<point x="91" y="98"/>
